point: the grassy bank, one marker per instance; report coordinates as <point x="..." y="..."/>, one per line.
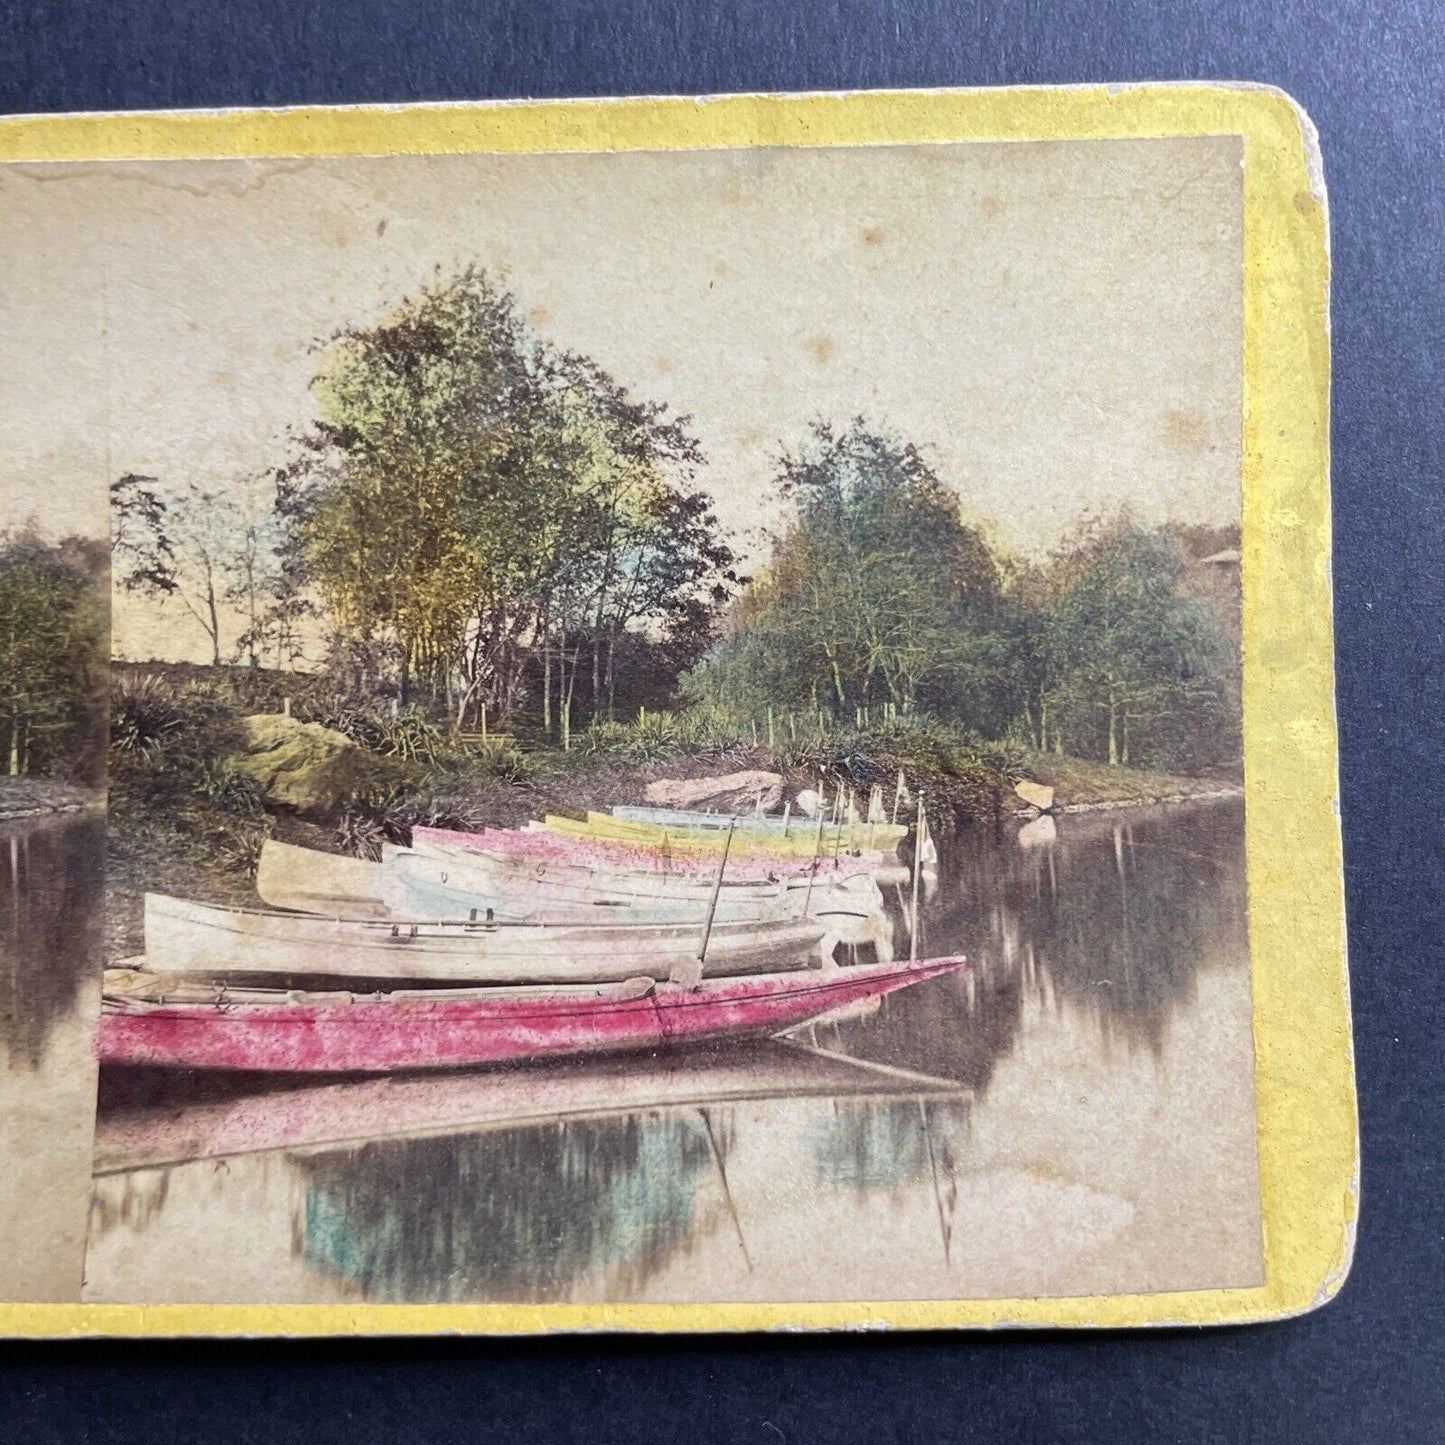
<point x="1080" y="784"/>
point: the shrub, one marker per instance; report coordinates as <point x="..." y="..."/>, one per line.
<point x="360" y="834"/>
<point x="704" y="730"/>
<point x="231" y="790"/>
<point x="236" y="844"/>
<point x="955" y="768"/>
<point x="144" y="715"/>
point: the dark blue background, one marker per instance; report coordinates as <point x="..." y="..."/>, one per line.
<point x="1370" y="1366"/>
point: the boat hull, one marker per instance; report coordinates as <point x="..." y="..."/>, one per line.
<point x="763" y="826"/>
<point x="538" y="843"/>
<point x="306" y="880"/>
<point x="198" y="940"/>
<point x="794" y="824"/>
<point x="850" y="839"/>
<point x="434" y="881"/>
<point x="386" y="1033"/>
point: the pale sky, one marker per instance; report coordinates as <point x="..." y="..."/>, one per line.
<point x="1057" y="324"/>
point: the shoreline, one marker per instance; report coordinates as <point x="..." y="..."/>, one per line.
<point x="1105" y="805"/>
<point x="23" y="798"/>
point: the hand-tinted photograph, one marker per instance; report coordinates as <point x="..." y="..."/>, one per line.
<point x="626" y="727"/>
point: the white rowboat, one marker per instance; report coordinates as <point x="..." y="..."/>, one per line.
<point x="199" y="940"/>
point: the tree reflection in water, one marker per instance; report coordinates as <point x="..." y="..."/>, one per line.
<point x="512" y="1214"/>
<point x="869" y="1144"/>
<point x="1114" y="918"/>
<point x="51" y="887"/>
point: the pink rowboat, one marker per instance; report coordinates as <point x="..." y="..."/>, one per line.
<point x="379" y="1033"/>
<point x="537" y="845"/>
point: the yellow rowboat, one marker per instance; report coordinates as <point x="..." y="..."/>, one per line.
<point x="867" y="838"/>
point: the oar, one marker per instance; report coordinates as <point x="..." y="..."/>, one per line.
<point x="944" y="1229"/>
<point x="716" y="890"/>
<point x="727" y="1190"/>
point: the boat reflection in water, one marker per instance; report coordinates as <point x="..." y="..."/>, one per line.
<point x="500" y="1184"/>
<point x="1073" y="1116"/>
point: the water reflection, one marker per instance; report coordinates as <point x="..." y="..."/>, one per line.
<point x="517" y="1214"/>
<point x="51" y="892"/>
<point x="1114" y="916"/>
<point x="870" y="1144"/>
<point x="51" y="884"/>
<point x="876" y="1158"/>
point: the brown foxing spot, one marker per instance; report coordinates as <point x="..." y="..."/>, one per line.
<point x="873" y="235"/>
<point x="1185" y="431"/>
<point x="820" y="348"/>
<point x="991" y="206"/>
<point x="663" y="363"/>
<point x="539" y="316"/>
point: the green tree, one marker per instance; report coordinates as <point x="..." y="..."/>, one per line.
<point x="417" y="423"/>
<point x="879" y="594"/>
<point x="1127" y="650"/>
<point x="54" y="636"/>
<point x="482" y="498"/>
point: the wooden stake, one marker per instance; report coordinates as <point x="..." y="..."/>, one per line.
<point x="716" y="890"/>
<point x="917" y="869"/>
<point x="817" y="858"/>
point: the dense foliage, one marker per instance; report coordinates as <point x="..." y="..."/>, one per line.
<point x="53" y="644"/>
<point x="481" y="527"/>
<point x="881" y="603"/>
<point x="879" y="598"/>
<point x="491" y="505"/>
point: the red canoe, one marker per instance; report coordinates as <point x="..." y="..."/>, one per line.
<point x="378" y="1033"/>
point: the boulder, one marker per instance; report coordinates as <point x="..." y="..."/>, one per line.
<point x="808" y="802"/>
<point x="1036" y="795"/>
<point x="1038" y="832"/>
<point x="737" y="793"/>
<point x="303" y="765"/>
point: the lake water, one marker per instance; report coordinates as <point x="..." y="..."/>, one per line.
<point x="1072" y="1115"/>
<point x="51" y="893"/>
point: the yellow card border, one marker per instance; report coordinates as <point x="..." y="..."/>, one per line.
<point x="1304" y="1067"/>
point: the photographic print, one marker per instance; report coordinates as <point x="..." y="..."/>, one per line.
<point x="642" y="726"/>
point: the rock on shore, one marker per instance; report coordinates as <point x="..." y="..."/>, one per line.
<point x="736" y="793"/>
